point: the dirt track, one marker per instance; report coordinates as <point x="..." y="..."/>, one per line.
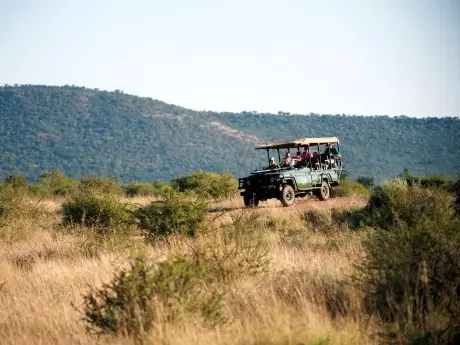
<point x="300" y="205"/>
<point x="338" y="203"/>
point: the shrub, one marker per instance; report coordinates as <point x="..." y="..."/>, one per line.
<point x="438" y="181"/>
<point x="15" y="206"/>
<point x="11" y="202"/>
<point x="456" y="192"/>
<point x="234" y="251"/>
<point x="319" y="220"/>
<point x="176" y="214"/>
<point x="94" y="210"/>
<point x="350" y="188"/>
<point x="144" y="294"/>
<point x="100" y="184"/>
<point x="366" y="181"/>
<point x="135" y="188"/>
<point x="16" y="181"/>
<point x="57" y="183"/>
<point x="39" y="189"/>
<point x="396" y="203"/>
<point x="228" y="261"/>
<point x="297" y="286"/>
<point x="411" y="274"/>
<point x="162" y="188"/>
<point x="159" y="188"/>
<point x="207" y="184"/>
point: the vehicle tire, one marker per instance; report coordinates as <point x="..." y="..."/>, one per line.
<point x="287" y="195"/>
<point x="324" y="192"/>
<point x="250" y="200"/>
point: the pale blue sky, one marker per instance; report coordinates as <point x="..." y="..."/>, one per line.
<point x="355" y="57"/>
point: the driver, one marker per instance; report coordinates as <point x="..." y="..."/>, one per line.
<point x="272" y="164"/>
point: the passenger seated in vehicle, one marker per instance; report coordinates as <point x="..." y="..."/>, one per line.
<point x="272" y="164"/>
<point x="315" y="160"/>
<point x="331" y="150"/>
<point x="334" y="155"/>
<point x="306" y="154"/>
<point x="298" y="156"/>
<point x="297" y="159"/>
<point x="287" y="160"/>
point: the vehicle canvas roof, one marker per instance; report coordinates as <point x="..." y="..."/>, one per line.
<point x="298" y="142"/>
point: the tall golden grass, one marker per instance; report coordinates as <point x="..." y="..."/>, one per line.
<point x="45" y="270"/>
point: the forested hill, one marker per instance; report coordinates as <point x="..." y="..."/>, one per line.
<point x="84" y="131"/>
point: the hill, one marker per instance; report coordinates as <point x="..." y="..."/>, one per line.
<point x="81" y="131"/>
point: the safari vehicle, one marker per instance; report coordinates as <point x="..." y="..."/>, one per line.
<point x="316" y="174"/>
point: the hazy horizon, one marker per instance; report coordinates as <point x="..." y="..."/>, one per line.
<point x="328" y="57"/>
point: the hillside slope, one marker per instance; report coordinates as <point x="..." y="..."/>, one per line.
<point x="81" y="131"/>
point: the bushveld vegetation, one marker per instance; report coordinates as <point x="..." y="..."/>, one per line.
<point x="81" y="130"/>
<point x="93" y="262"/>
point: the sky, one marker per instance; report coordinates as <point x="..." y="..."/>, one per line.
<point x="363" y="57"/>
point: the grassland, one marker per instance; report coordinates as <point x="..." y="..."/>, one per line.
<point x="45" y="269"/>
<point x="302" y="296"/>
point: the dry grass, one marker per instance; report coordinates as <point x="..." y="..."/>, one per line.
<point x="45" y="270"/>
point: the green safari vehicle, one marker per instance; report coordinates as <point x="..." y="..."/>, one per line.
<point x="315" y="171"/>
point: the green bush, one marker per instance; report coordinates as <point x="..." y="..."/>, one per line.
<point x="396" y="203"/>
<point x="136" y="188"/>
<point x="350" y="188"/>
<point x="411" y="274"/>
<point x="95" y="210"/>
<point x="366" y="181"/>
<point x="54" y="183"/>
<point x="456" y="192"/>
<point x="14" y="205"/>
<point x="59" y="183"/>
<point x="438" y="181"/>
<point x="162" y="188"/>
<point x="99" y="184"/>
<point x="207" y="184"/>
<point x="11" y="202"/>
<point x="144" y="294"/>
<point x="16" y="181"/>
<point x="159" y="188"/>
<point x="319" y="220"/>
<point x="178" y="213"/>
<point x="234" y="251"/>
<point x="39" y="189"/>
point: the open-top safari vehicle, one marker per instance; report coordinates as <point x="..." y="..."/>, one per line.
<point x="314" y="171"/>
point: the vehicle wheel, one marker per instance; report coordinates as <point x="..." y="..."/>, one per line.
<point x="324" y="192"/>
<point x="250" y="200"/>
<point x="287" y="195"/>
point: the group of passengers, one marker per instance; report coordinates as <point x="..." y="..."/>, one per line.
<point x="307" y="157"/>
